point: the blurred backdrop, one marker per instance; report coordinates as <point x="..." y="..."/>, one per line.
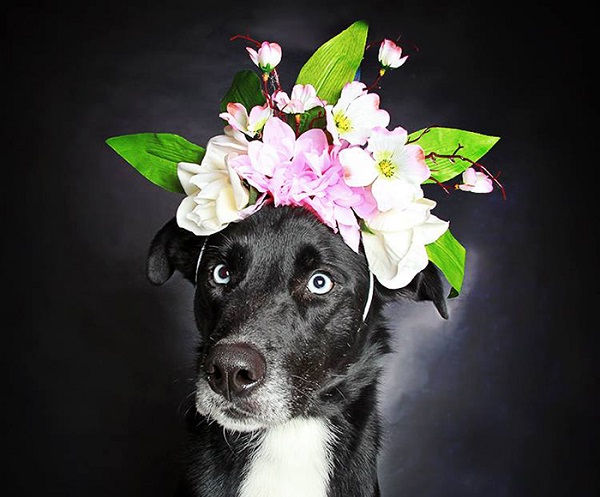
<point x="498" y="401"/>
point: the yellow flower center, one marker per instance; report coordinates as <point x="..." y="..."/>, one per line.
<point x="342" y="123"/>
<point x="387" y="168"/>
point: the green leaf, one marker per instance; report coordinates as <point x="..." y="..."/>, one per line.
<point x="450" y="256"/>
<point x="449" y="141"/>
<point x="335" y="62"/>
<point x="245" y="89"/>
<point x="155" y="156"/>
<point x="311" y="119"/>
<point x="253" y="195"/>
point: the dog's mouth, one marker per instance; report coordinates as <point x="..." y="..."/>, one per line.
<point x="266" y="406"/>
<point x="234" y="417"/>
<point x="236" y="413"/>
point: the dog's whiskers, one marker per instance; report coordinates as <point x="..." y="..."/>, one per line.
<point x="340" y="392"/>
<point x="311" y="383"/>
<point x="227" y="441"/>
<point x="184" y="401"/>
<point x="304" y="394"/>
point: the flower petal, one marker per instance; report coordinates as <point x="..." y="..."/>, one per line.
<point x="212" y="190"/>
<point x="383" y="140"/>
<point x="185" y="172"/>
<point x="314" y="141"/>
<point x="432" y="229"/>
<point x="185" y="218"/>
<point x="351" y="235"/>
<point x="225" y="208"/>
<point x="240" y="193"/>
<point x="280" y="136"/>
<point x="253" y="54"/>
<point x="392" y="193"/>
<point x="476" y="182"/>
<point x="411" y="164"/>
<point x="259" y="114"/>
<point x="350" y="92"/>
<point x="417" y="212"/>
<point x="382" y="263"/>
<point x="366" y="112"/>
<point x="236" y="116"/>
<point x="408" y="267"/>
<point x="359" y="166"/>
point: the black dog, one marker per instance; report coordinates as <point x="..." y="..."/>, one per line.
<point x="286" y="395"/>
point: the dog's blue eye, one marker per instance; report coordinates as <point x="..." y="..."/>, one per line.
<point x="221" y="275"/>
<point x="319" y="283"/>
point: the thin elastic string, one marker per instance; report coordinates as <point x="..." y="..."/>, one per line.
<point x="369" y="296"/>
<point x="200" y="258"/>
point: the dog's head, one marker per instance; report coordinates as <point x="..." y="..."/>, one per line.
<point x="279" y="307"/>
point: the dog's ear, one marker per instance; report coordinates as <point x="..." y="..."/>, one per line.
<point x="173" y="248"/>
<point x="426" y="285"/>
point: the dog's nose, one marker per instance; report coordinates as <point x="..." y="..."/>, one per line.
<point x="234" y="369"/>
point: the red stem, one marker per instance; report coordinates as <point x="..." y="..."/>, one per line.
<point x="320" y="115"/>
<point x="439" y="183"/>
<point x="425" y="131"/>
<point x="379" y="76"/>
<point x="245" y="37"/>
<point x="452" y="157"/>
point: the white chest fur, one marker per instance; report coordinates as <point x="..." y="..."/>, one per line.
<point x="290" y="460"/>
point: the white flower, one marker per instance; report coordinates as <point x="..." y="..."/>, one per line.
<point x="303" y="98"/>
<point x="355" y="114"/>
<point x="394" y="169"/>
<point x="395" y="242"/>
<point x="475" y="182"/>
<point x="215" y="193"/>
<point x="390" y="55"/>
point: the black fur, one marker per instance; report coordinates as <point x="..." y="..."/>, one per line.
<point x="319" y="342"/>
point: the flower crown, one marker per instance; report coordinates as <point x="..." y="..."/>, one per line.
<point x="325" y="147"/>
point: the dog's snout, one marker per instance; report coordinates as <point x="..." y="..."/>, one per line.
<point x="234" y="369"/>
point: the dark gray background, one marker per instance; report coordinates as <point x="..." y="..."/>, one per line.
<point x="499" y="401"/>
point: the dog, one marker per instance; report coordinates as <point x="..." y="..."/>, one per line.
<point x="292" y="339"/>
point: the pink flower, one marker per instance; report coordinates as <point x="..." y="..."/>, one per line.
<point x="304" y="97"/>
<point x="252" y="124"/>
<point x="390" y="55"/>
<point x="267" y="57"/>
<point x="302" y="172"/>
<point x="332" y="199"/>
<point x="476" y="182"/>
<point x="266" y="155"/>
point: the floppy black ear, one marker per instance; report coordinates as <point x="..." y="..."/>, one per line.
<point x="173" y="248"/>
<point x="426" y="285"/>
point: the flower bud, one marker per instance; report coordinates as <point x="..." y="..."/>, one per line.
<point x="390" y="55"/>
<point x="475" y="182"/>
<point x="267" y="57"/>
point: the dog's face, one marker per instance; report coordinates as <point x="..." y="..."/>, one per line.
<point x="283" y="298"/>
<point x="279" y="305"/>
